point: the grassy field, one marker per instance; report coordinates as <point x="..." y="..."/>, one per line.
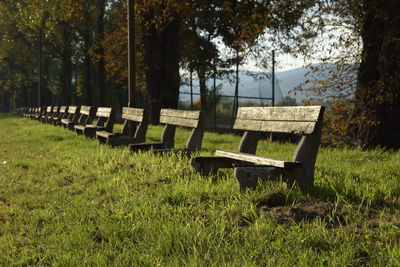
<point x="65" y="200"/>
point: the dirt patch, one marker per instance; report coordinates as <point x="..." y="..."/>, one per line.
<point x="299" y="212"/>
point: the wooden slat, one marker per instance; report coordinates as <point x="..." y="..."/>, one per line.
<point x="180" y="113"/>
<point x="192" y="123"/>
<point x="79" y="127"/>
<point x="295" y="127"/>
<point x="72" y="109"/>
<point x="257" y="159"/>
<point x="307" y="113"/>
<point x="132" y="117"/>
<point x="133" y="111"/>
<point x="132" y="114"/>
<point x="103" y="112"/>
<point x="104" y="134"/>
<point x="85" y="110"/>
<point x="180" y="117"/>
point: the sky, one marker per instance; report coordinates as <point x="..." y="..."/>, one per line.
<point x="284" y="62"/>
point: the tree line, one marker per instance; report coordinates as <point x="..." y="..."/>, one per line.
<point x="66" y="52"/>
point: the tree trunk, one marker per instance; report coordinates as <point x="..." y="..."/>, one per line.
<point x="66" y="68"/>
<point x="101" y="79"/>
<point x="87" y="64"/>
<point x="161" y="58"/>
<point x="377" y="97"/>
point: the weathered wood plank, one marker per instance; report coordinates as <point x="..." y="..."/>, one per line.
<point x="79" y="127"/>
<point x="192" y="123"/>
<point x="85" y="110"/>
<point x="72" y="109"/>
<point x="180" y="113"/>
<point x="132" y="117"/>
<point x="133" y="114"/>
<point x="294" y="127"/>
<point x="257" y="159"/>
<point x="105" y="134"/>
<point x="103" y="112"/>
<point x="133" y="111"/>
<point x="307" y="113"/>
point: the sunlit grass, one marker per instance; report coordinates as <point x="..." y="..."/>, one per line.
<point x="66" y="200"/>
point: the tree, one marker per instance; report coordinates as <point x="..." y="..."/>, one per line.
<point x="377" y="98"/>
<point x="373" y="26"/>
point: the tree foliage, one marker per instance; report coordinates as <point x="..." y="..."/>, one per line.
<point x="83" y="53"/>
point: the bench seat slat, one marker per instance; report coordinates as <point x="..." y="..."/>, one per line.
<point x="79" y="127"/>
<point x="106" y="134"/>
<point x="258" y="159"/>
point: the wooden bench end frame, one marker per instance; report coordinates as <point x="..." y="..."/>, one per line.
<point x="249" y="168"/>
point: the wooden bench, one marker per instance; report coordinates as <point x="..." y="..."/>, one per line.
<point x="105" y="122"/>
<point x="54" y="112"/>
<point x="133" y="131"/>
<point x="26" y="112"/>
<point x="33" y="112"/>
<point x="40" y="112"/>
<point x="78" y="116"/>
<point x="61" y="114"/>
<point x="173" y="118"/>
<point x="47" y="112"/>
<point x="304" y="121"/>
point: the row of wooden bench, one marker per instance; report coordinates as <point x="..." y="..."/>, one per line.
<point x="248" y="167"/>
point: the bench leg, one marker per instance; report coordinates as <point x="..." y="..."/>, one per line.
<point x="210" y="165"/>
<point x="102" y="140"/>
<point x="89" y="132"/>
<point x="248" y="177"/>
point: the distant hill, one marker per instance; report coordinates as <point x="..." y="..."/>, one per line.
<point x="249" y="86"/>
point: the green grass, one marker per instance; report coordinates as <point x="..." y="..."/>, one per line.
<point x="65" y="200"/>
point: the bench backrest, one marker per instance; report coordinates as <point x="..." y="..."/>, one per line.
<point x="56" y="109"/>
<point x="62" y="112"/>
<point x="49" y="109"/>
<point x="63" y="109"/>
<point x="190" y="119"/>
<point x="135" y="124"/>
<point x="86" y="110"/>
<point x="73" y="110"/>
<point x="105" y="118"/>
<point x="306" y="121"/>
<point x="296" y="120"/>
<point x="41" y="111"/>
<point x="73" y="113"/>
<point x="86" y="115"/>
<point x="183" y="118"/>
